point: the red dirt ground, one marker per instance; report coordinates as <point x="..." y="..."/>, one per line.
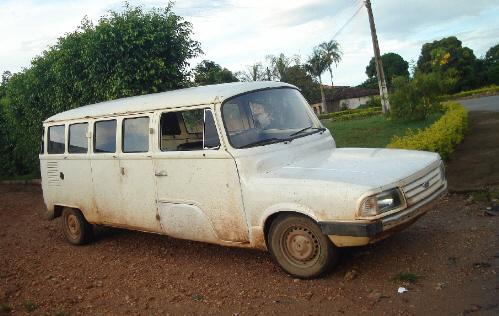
<point x="453" y="249"/>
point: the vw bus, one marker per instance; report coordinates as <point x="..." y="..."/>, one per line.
<point x="237" y="164"/>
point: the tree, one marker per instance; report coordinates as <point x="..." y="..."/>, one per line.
<point x="491" y="65"/>
<point x="7" y="161"/>
<point x="209" y="72"/>
<point x="253" y="72"/>
<point x="127" y="53"/>
<point x="449" y="58"/>
<point x="393" y="65"/>
<point x="415" y="98"/>
<point x="332" y="55"/>
<point x="278" y="65"/>
<point x="298" y="76"/>
<point x="316" y="66"/>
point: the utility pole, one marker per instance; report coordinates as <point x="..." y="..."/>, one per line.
<point x="383" y="91"/>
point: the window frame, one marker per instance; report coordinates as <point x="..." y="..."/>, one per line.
<point x="94" y="136"/>
<point x="177" y="110"/>
<point x="86" y="137"/>
<point x="48" y="139"/>
<point x="122" y="136"/>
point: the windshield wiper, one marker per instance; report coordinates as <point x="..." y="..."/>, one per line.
<point x="321" y="129"/>
<point x="266" y="142"/>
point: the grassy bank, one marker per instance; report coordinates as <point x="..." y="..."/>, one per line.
<point x="375" y="131"/>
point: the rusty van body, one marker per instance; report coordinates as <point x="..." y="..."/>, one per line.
<point x="240" y="164"/>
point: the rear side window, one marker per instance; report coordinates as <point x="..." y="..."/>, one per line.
<point x="56" y="139"/>
<point x="136" y="135"/>
<point x="78" y="138"/>
<point x="105" y="136"/>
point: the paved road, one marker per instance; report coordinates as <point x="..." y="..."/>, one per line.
<point x="474" y="165"/>
<point x="482" y="104"/>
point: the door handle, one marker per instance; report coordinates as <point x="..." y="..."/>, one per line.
<point x="161" y="174"/>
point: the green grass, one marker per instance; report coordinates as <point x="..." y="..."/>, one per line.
<point x="6" y="308"/>
<point x="484" y="90"/>
<point x="29" y="306"/>
<point x="406" y="277"/>
<point x="487" y="90"/>
<point x="374" y="132"/>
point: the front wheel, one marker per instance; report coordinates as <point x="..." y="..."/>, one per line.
<point x="75" y="227"/>
<point x="299" y="247"/>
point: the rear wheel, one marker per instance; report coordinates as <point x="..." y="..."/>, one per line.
<point x="75" y="227"/>
<point x="299" y="247"/>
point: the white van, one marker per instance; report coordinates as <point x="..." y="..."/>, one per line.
<point x="239" y="164"/>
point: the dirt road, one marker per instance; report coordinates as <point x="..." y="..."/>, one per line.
<point x="451" y="254"/>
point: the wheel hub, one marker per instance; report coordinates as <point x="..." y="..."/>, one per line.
<point x="73" y="226"/>
<point x="301" y="244"/>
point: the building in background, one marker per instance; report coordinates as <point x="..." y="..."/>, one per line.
<point x="344" y="97"/>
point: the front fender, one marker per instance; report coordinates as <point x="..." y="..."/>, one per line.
<point x="286" y="207"/>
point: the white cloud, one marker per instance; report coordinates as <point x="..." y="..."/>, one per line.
<point x="236" y="33"/>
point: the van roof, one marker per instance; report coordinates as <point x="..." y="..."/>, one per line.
<point x="166" y="100"/>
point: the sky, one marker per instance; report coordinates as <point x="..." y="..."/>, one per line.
<point x="237" y="33"/>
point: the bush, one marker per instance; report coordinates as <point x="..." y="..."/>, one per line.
<point x="127" y="53"/>
<point x="374" y="102"/>
<point x="349" y="114"/>
<point x="493" y="89"/>
<point x="417" y="98"/>
<point x="441" y="136"/>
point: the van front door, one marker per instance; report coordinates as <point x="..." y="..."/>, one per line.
<point x="198" y="189"/>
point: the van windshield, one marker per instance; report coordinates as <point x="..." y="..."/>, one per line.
<point x="267" y="116"/>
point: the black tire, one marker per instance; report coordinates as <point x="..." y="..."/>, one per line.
<point x="298" y="246"/>
<point x="75" y="227"/>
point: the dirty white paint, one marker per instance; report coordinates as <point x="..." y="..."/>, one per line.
<point x="221" y="195"/>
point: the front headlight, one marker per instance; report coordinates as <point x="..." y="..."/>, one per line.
<point x="382" y="202"/>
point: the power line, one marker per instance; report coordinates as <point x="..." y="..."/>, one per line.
<point x="349" y="20"/>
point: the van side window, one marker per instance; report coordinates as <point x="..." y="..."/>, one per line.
<point x="136" y="135"/>
<point x="210" y="138"/>
<point x="78" y="143"/>
<point x="193" y="121"/>
<point x="56" y="139"/>
<point x="105" y="136"/>
<point x="188" y="130"/>
<point x="170" y="124"/>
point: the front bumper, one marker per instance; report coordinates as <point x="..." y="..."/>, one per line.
<point x="356" y="233"/>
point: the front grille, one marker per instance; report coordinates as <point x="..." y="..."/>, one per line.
<point x="424" y="186"/>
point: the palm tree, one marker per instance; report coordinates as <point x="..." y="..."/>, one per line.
<point x="332" y="55"/>
<point x="280" y="64"/>
<point x="316" y="65"/>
